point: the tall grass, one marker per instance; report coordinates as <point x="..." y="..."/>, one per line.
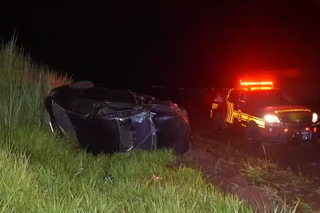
<point x="23" y="86"/>
<point x="40" y="172"/>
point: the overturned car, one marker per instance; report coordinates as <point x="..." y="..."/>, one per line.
<point x="106" y="120"/>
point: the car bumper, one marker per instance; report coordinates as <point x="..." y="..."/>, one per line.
<point x="290" y="132"/>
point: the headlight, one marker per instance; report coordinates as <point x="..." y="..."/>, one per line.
<point x="314" y="117"/>
<point x="271" y="119"/>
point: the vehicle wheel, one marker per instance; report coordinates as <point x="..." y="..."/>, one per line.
<point x="217" y="124"/>
<point x="253" y="137"/>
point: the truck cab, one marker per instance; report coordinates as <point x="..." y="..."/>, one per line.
<point x="261" y="111"/>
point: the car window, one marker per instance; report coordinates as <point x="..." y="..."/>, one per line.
<point x="269" y="98"/>
<point x="243" y="96"/>
<point x="234" y="96"/>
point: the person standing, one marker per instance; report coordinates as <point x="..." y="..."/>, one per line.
<point x="218" y="98"/>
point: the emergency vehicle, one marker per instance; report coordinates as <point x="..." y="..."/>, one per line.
<point x="263" y="112"/>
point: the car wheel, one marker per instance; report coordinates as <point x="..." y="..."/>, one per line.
<point x="217" y="126"/>
<point x="253" y="136"/>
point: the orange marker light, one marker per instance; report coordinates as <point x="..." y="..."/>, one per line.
<point x="256" y="83"/>
<point x="315" y="129"/>
<point x="260" y="88"/>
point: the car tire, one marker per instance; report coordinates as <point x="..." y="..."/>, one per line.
<point x="217" y="126"/>
<point x="253" y="137"/>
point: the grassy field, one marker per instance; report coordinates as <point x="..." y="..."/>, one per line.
<point x="40" y="172"/>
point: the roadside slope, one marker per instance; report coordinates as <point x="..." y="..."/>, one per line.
<point x="41" y="172"/>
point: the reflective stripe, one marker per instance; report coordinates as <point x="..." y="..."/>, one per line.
<point x="292" y="110"/>
<point x="259" y="121"/>
<point x="240" y="116"/>
<point x="229" y="108"/>
<point x="228" y="112"/>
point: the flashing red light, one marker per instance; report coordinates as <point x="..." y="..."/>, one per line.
<point x="307" y="129"/>
<point x="256" y="83"/>
<point x="285" y="130"/>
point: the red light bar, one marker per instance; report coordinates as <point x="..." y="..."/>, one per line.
<point x="256" y="83"/>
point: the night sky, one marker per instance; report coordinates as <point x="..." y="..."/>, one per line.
<point x="196" y="43"/>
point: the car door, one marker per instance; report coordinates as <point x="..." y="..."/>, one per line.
<point x="232" y="110"/>
<point x="243" y="110"/>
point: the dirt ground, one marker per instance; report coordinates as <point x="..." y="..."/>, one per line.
<point x="280" y="176"/>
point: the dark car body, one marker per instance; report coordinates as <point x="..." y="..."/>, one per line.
<point x="106" y="120"/>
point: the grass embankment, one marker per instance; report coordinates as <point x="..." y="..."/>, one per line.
<point x="261" y="181"/>
<point x="40" y="172"/>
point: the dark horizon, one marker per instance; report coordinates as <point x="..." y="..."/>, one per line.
<point x="176" y="44"/>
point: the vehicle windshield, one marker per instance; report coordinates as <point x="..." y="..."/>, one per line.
<point x="265" y="98"/>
